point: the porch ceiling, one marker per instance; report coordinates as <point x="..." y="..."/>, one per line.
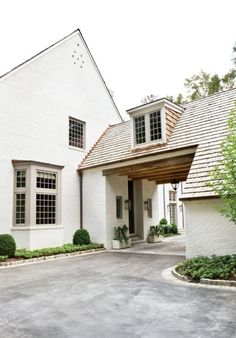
<point x="162" y="171"/>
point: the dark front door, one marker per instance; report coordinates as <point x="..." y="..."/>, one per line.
<point x="131" y="207"/>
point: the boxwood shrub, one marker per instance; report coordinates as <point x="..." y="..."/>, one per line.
<point x="215" y="267"/>
<point x="7" y="245"/>
<point x="81" y="236"/>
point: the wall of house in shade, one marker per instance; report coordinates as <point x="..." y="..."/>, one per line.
<point x="36" y="101"/>
<point x="207" y="231"/>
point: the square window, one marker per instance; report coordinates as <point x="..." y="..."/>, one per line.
<point x="76" y="133"/>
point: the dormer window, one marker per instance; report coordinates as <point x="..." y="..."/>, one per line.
<point x="155" y="126"/>
<point x="148" y="127"/>
<point x="153" y="123"/>
<point x="140" y="131"/>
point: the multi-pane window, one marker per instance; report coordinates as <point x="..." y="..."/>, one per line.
<point x="45" y="180"/>
<point x="172" y="196"/>
<point x="149" y="207"/>
<point x="20" y="178"/>
<point x="155" y="125"/>
<point x="173" y="213"/>
<point x="20" y="209"/>
<point x="45" y="209"/>
<point x="140" y="133"/>
<point x="173" y="206"/>
<point x="37" y="191"/>
<point x="76" y="133"/>
<point x="119" y="207"/>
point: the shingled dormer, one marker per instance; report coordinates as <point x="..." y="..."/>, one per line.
<point x="153" y="123"/>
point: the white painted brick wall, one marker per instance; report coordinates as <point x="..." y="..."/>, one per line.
<point x="35" y="104"/>
<point x="207" y="231"/>
<point x="115" y="186"/>
<point x="94" y="205"/>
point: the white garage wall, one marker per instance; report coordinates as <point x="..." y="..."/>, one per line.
<point x="207" y="231"/>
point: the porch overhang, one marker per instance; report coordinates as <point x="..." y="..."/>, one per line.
<point x="162" y="168"/>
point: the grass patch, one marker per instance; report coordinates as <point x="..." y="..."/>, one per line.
<point x="215" y="267"/>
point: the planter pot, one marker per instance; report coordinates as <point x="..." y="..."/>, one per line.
<point x="154" y="238"/>
<point x="117" y="245"/>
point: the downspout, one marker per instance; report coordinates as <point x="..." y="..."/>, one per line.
<point x="81" y="197"/>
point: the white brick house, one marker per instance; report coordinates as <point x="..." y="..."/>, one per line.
<point x="68" y="160"/>
<point x="52" y="109"/>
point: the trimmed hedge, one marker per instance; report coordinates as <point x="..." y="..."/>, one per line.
<point x="81" y="236"/>
<point x="66" y="248"/>
<point x="7" y="245"/>
<point x="215" y="267"/>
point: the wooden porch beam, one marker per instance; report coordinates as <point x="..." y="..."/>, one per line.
<point x="163" y="163"/>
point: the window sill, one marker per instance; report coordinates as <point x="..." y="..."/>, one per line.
<point x="38" y="227"/>
<point x="77" y="149"/>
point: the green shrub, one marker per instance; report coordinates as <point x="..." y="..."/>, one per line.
<point x="167" y="229"/>
<point x="7" y="245"/>
<point x="163" y="221"/>
<point x="81" y="236"/>
<point x="121" y="233"/>
<point x="156" y="230"/>
<point x="174" y="229"/>
<point x="215" y="267"/>
<point x="66" y="248"/>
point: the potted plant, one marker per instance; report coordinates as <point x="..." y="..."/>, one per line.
<point x="155" y="233"/>
<point x="121" y="239"/>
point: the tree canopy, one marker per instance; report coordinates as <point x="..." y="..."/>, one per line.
<point x="224" y="175"/>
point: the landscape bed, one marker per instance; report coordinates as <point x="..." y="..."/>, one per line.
<point x="23" y="254"/>
<point x="208" y="268"/>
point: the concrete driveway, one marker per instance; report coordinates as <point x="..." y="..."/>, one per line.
<point x="107" y="295"/>
<point x="168" y="246"/>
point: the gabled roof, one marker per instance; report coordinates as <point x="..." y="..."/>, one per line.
<point x="203" y="123"/>
<point x="34" y="57"/>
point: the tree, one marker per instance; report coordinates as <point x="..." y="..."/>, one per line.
<point x="205" y="84"/>
<point x="224" y="175"/>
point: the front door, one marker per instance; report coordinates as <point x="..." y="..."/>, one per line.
<point x="131" y="207"/>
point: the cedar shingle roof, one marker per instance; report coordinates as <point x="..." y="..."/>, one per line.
<point x="203" y="123"/>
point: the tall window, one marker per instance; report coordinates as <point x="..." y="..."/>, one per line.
<point x="119" y="203"/>
<point x="20" y="196"/>
<point x="76" y="133"/>
<point x="149" y="207"/>
<point x="155" y="125"/>
<point x="46" y="195"/>
<point x="140" y="133"/>
<point x="173" y="206"/>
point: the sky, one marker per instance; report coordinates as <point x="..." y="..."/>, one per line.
<point x="141" y="47"/>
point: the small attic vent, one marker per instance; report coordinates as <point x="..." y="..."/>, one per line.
<point x="77" y="56"/>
